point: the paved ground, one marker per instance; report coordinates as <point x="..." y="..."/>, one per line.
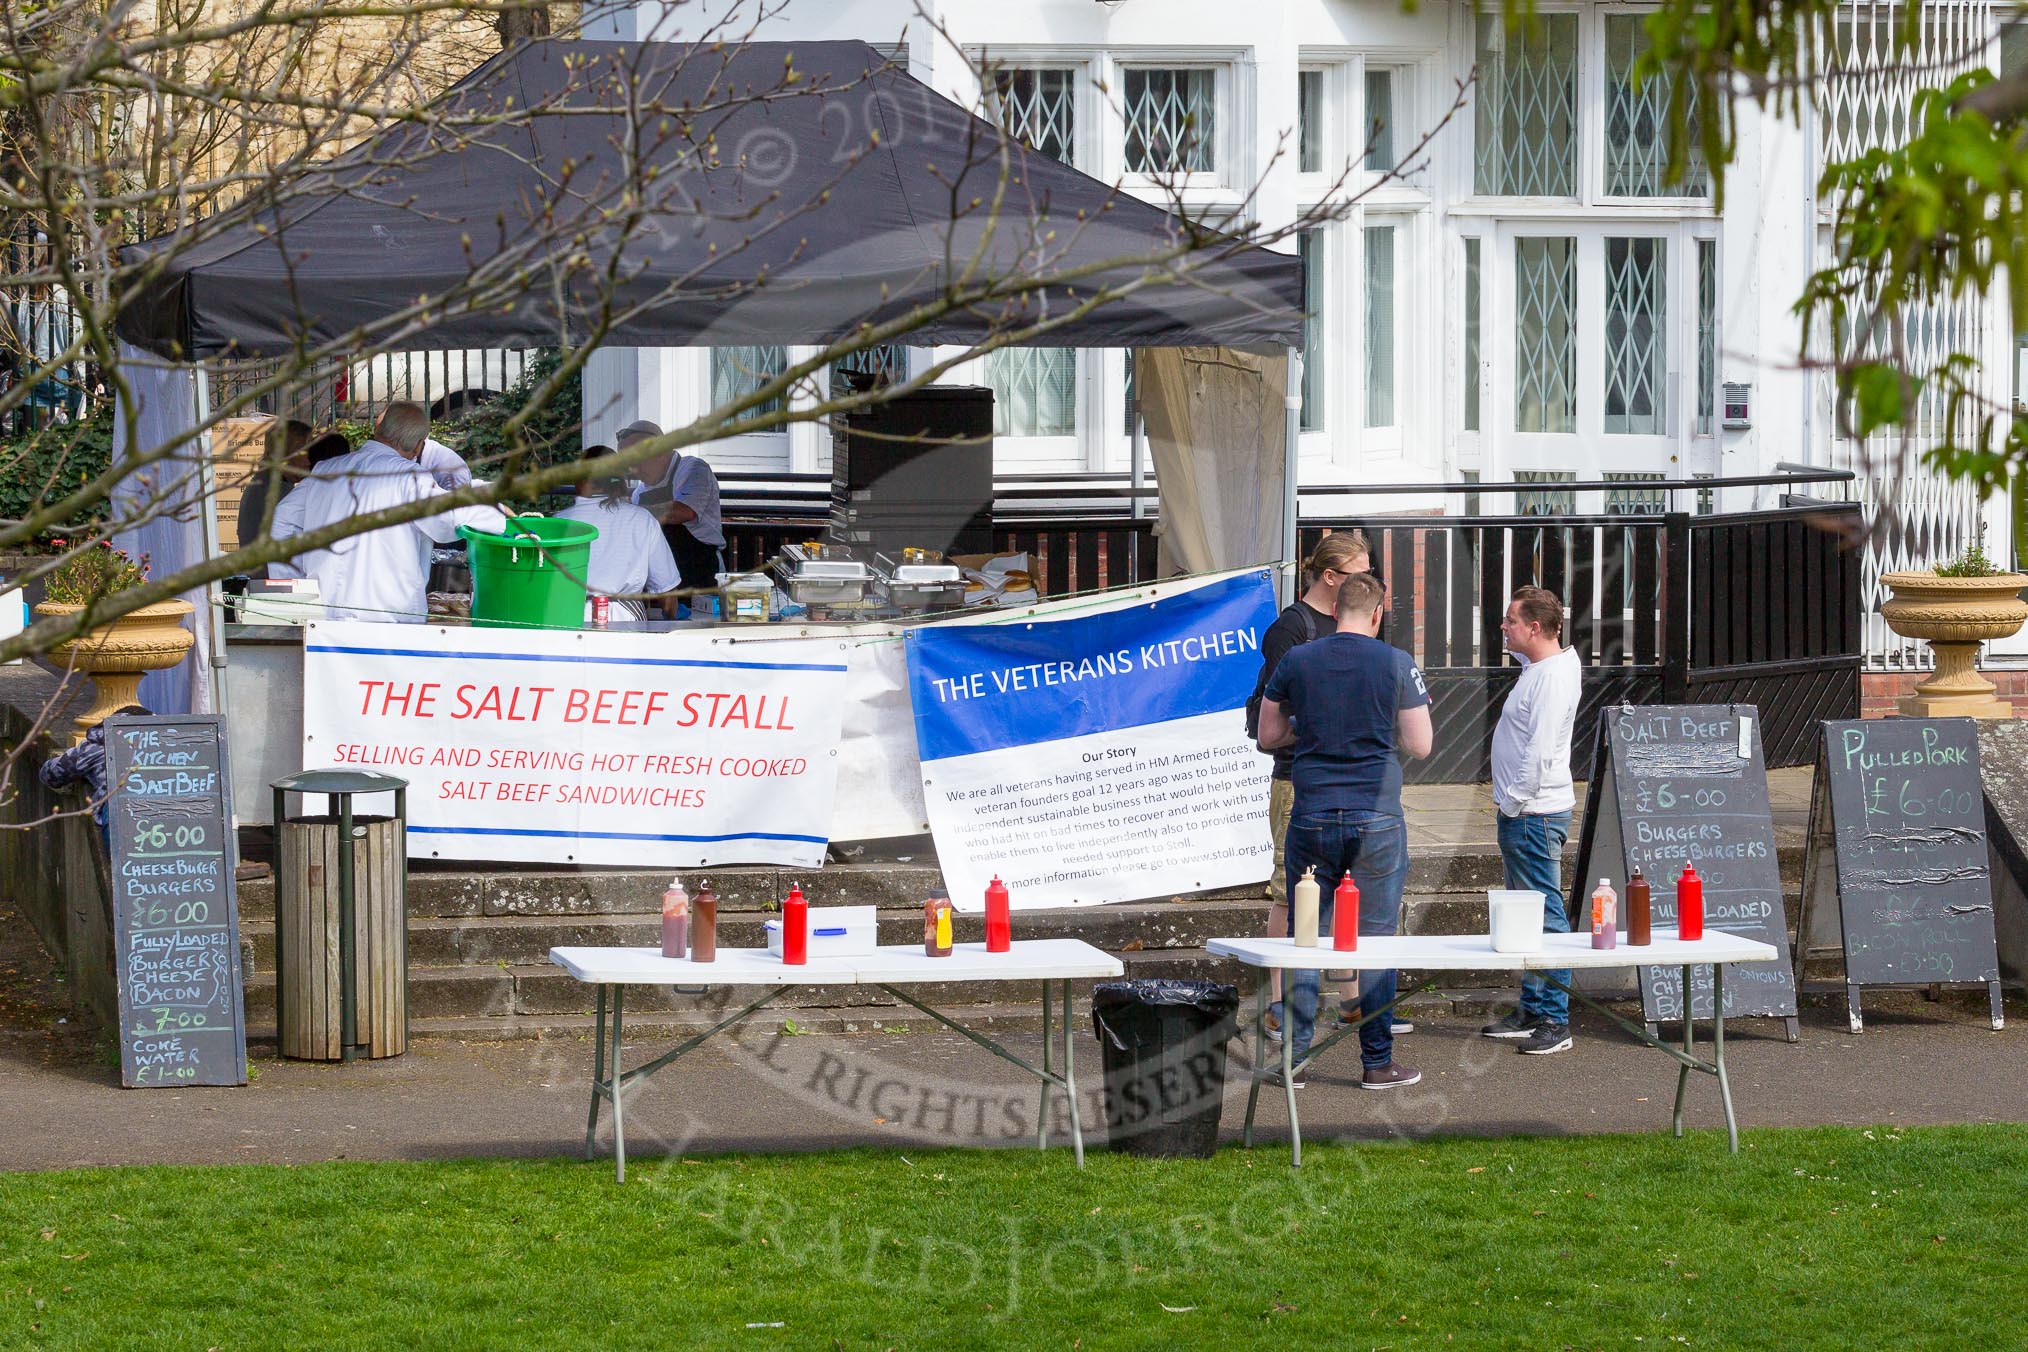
<point x="61" y="1102"/>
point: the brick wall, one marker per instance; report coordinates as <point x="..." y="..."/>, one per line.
<point x="1879" y="691"/>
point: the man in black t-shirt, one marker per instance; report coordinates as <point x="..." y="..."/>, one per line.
<point x="1347" y="704"/>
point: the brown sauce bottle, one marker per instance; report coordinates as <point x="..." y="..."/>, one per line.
<point x="704" y="924"/>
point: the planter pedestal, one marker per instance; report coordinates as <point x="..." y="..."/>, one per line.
<point x="1955" y="615"/>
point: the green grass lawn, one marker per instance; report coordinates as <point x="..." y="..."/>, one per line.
<point x="1821" y="1237"/>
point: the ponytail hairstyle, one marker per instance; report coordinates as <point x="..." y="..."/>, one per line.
<point x="1342" y="551"/>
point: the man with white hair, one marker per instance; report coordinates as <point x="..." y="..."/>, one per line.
<point x="683" y="491"/>
<point x="382" y="574"/>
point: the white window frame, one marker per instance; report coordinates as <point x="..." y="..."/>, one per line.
<point x="1468" y="189"/>
<point x="1234" y="95"/>
<point x="1592" y="109"/>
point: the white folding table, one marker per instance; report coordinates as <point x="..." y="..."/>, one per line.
<point x="1474" y="953"/>
<point x="1057" y="961"/>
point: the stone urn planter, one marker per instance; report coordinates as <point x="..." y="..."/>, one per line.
<point x="1955" y="615"/>
<point x="117" y="655"/>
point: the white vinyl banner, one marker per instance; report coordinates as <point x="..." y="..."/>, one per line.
<point x="1099" y="758"/>
<point x="584" y="747"/>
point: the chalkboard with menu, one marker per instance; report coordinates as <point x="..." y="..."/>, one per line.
<point x="1897" y="872"/>
<point x="175" y="913"/>
<point x="1684" y="784"/>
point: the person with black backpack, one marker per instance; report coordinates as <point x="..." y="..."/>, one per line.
<point x="1310" y="616"/>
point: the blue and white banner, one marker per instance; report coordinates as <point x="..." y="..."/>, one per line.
<point x="1101" y="758"/>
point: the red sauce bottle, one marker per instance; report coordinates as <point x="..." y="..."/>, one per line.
<point x="795" y="928"/>
<point x="999" y="917"/>
<point x="1689" y="904"/>
<point x="1345" y="916"/>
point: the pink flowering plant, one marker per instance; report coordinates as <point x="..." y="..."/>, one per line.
<point x="92" y="574"/>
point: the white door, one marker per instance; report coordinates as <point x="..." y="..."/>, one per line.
<point x="1588" y="333"/>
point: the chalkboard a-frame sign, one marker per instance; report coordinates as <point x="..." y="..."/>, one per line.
<point x="1680" y="784"/>
<point x="175" y="910"/>
<point x="1897" y="873"/>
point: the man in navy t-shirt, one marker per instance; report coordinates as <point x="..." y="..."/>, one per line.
<point x="1348" y="703"/>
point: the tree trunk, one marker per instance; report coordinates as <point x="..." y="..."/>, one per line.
<point x="522" y="23"/>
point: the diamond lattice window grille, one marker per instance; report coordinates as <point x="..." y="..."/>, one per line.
<point x="1526" y="107"/>
<point x="885" y="362"/>
<point x="1629" y="501"/>
<point x="1636" y="335"/>
<point x="1546" y="501"/>
<point x="1310" y="121"/>
<point x="737" y="372"/>
<point x="1865" y="103"/>
<point x="1039" y="108"/>
<point x="1172" y="123"/>
<point x="1310" y="247"/>
<point x="1472" y="358"/>
<point x="1034" y="391"/>
<point x="1380" y="321"/>
<point x="1637" y="121"/>
<point x="1707" y="335"/>
<point x="1545" y="338"/>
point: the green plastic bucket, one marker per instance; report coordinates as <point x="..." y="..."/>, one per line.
<point x="532" y="576"/>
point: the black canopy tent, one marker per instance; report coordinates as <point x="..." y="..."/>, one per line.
<point x="759" y="193"/>
<point x="787" y="194"/>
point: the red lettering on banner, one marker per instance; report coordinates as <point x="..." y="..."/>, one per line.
<point x="408" y="700"/>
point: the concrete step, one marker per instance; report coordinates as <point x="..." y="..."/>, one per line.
<point x="529" y="890"/>
<point x="452" y="941"/>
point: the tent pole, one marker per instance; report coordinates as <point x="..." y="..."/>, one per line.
<point x="207" y="486"/>
<point x="1137" y="459"/>
<point x="1292" y="402"/>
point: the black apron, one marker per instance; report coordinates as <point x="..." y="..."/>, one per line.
<point x="696" y="562"/>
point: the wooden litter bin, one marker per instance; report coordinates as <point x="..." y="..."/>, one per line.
<point x="318" y="882"/>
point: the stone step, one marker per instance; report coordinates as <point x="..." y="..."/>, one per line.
<point x="530" y="890"/>
<point x="451" y="941"/>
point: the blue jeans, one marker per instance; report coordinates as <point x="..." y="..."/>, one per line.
<point x="1373" y="847"/>
<point x="1531" y="848"/>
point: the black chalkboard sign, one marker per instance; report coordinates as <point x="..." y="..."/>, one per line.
<point x="1679" y="784"/>
<point x="175" y="912"/>
<point x="1898" y="841"/>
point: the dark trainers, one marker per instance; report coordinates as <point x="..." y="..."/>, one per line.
<point x="1547" y="1038"/>
<point x="1399" y="1025"/>
<point x="1393" y="1075"/>
<point x="1274" y="1079"/>
<point x="1518" y="1024"/>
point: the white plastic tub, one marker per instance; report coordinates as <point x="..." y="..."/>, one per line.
<point x="1515" y="919"/>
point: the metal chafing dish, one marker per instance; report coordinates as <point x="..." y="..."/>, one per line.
<point x="921" y="580"/>
<point x="818" y="574"/>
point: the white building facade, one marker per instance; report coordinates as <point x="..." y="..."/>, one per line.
<point x="1515" y="292"/>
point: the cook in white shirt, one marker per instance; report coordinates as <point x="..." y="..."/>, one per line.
<point x="683" y="490"/>
<point x="630" y="556"/>
<point x="444" y="465"/>
<point x="382" y="574"/>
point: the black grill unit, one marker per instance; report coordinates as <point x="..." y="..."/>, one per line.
<point x="916" y="471"/>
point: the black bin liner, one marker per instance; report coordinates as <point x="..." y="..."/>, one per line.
<point x="1164" y="1049"/>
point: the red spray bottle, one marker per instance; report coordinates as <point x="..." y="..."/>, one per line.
<point x="1345" y="916"/>
<point x="1689" y="904"/>
<point x="795" y="928"/>
<point x="999" y="917"/>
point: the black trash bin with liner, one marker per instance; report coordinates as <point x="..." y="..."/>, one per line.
<point x="1164" y="1047"/>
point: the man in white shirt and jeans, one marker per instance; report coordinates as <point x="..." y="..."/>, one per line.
<point x="1532" y="790"/>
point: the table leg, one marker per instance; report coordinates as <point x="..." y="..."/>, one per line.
<point x="1042" y="1102"/>
<point x="1069" y="1074"/>
<point x="1689" y="1052"/>
<point x="1260" y="1004"/>
<point x="1718" y="1052"/>
<point x="591" y="1123"/>
<point x="1289" y="1091"/>
<point x="1999" y="1007"/>
<point x="619" y="1120"/>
